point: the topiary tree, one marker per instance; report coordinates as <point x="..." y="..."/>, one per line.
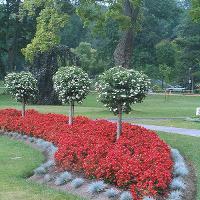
<point x="23" y="86"/>
<point x="72" y="85"/>
<point x="119" y="88"/>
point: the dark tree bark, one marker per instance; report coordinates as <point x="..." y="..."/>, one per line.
<point x="45" y="65"/>
<point x="124" y="49"/>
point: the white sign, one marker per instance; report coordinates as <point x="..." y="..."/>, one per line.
<point x="198" y="112"/>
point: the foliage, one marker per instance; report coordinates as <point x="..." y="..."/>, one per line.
<point x="96" y="187"/>
<point x="177" y="184"/>
<point x="50" y="21"/>
<point x="72" y="84"/>
<point x="180" y="168"/>
<point x="40" y="171"/>
<point x="14" y="35"/>
<point x="119" y="86"/>
<point x="23" y="86"/>
<point x="126" y="196"/>
<point x="195" y="11"/>
<point x="88" y="58"/>
<point x="77" y="182"/>
<point x="63" y="178"/>
<point x="89" y="146"/>
<point x="175" y="195"/>
<point x="111" y="193"/>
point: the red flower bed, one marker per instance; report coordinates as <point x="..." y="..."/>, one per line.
<point x="139" y="160"/>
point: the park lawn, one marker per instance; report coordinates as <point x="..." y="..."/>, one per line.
<point x="13" y="173"/>
<point x="153" y="106"/>
<point x="188" y="146"/>
<point x="179" y="123"/>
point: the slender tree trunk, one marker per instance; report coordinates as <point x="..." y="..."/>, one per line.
<point x="119" y="122"/>
<point x="23" y="108"/>
<point x="124" y="49"/>
<point x="71" y="113"/>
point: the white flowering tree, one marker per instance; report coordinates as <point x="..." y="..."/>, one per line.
<point x="22" y="86"/>
<point x="72" y="85"/>
<point x="119" y="88"/>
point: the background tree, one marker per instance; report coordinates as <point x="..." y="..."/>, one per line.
<point x="126" y="13"/>
<point x="22" y="86"/>
<point x="88" y="59"/>
<point x="45" y="65"/>
<point x="14" y="35"/>
<point x="72" y="85"/>
<point x="119" y="88"/>
<point x="195" y="11"/>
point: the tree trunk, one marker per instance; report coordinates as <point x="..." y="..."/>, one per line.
<point x="23" y="108"/>
<point x="124" y="49"/>
<point x="71" y="114"/>
<point x="119" y="122"/>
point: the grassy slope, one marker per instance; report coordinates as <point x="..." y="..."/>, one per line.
<point x="188" y="146"/>
<point x="153" y="106"/>
<point x="13" y="184"/>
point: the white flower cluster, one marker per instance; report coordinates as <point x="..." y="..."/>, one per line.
<point x="72" y="84"/>
<point x="23" y="86"/>
<point x="120" y="86"/>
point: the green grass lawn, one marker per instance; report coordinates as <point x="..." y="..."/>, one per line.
<point x="13" y="173"/>
<point x="188" y="146"/>
<point x="154" y="106"/>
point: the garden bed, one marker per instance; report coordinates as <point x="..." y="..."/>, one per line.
<point x="138" y="161"/>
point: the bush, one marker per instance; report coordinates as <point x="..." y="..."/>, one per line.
<point x="77" y="182"/>
<point x="175" y="195"/>
<point x="119" y="88"/>
<point x="111" y="193"/>
<point x="23" y="86"/>
<point x="63" y="178"/>
<point x="40" y="171"/>
<point x="177" y="184"/>
<point x="72" y="85"/>
<point x="96" y="187"/>
<point x="126" y="196"/>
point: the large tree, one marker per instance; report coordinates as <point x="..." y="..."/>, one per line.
<point x="14" y="34"/>
<point x="195" y="11"/>
<point x="125" y="12"/>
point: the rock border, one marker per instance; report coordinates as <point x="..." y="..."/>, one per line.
<point x="182" y="187"/>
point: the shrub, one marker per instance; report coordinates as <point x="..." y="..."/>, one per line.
<point x="96" y="187"/>
<point x="119" y="88"/>
<point x="23" y="86"/>
<point x="72" y="85"/>
<point x="77" y="182"/>
<point x="47" y="178"/>
<point x="126" y="196"/>
<point x="111" y="193"/>
<point x="48" y="164"/>
<point x="180" y="169"/>
<point x="177" y="184"/>
<point x="175" y="195"/>
<point x="148" y="198"/>
<point x="63" y="178"/>
<point x="40" y="171"/>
